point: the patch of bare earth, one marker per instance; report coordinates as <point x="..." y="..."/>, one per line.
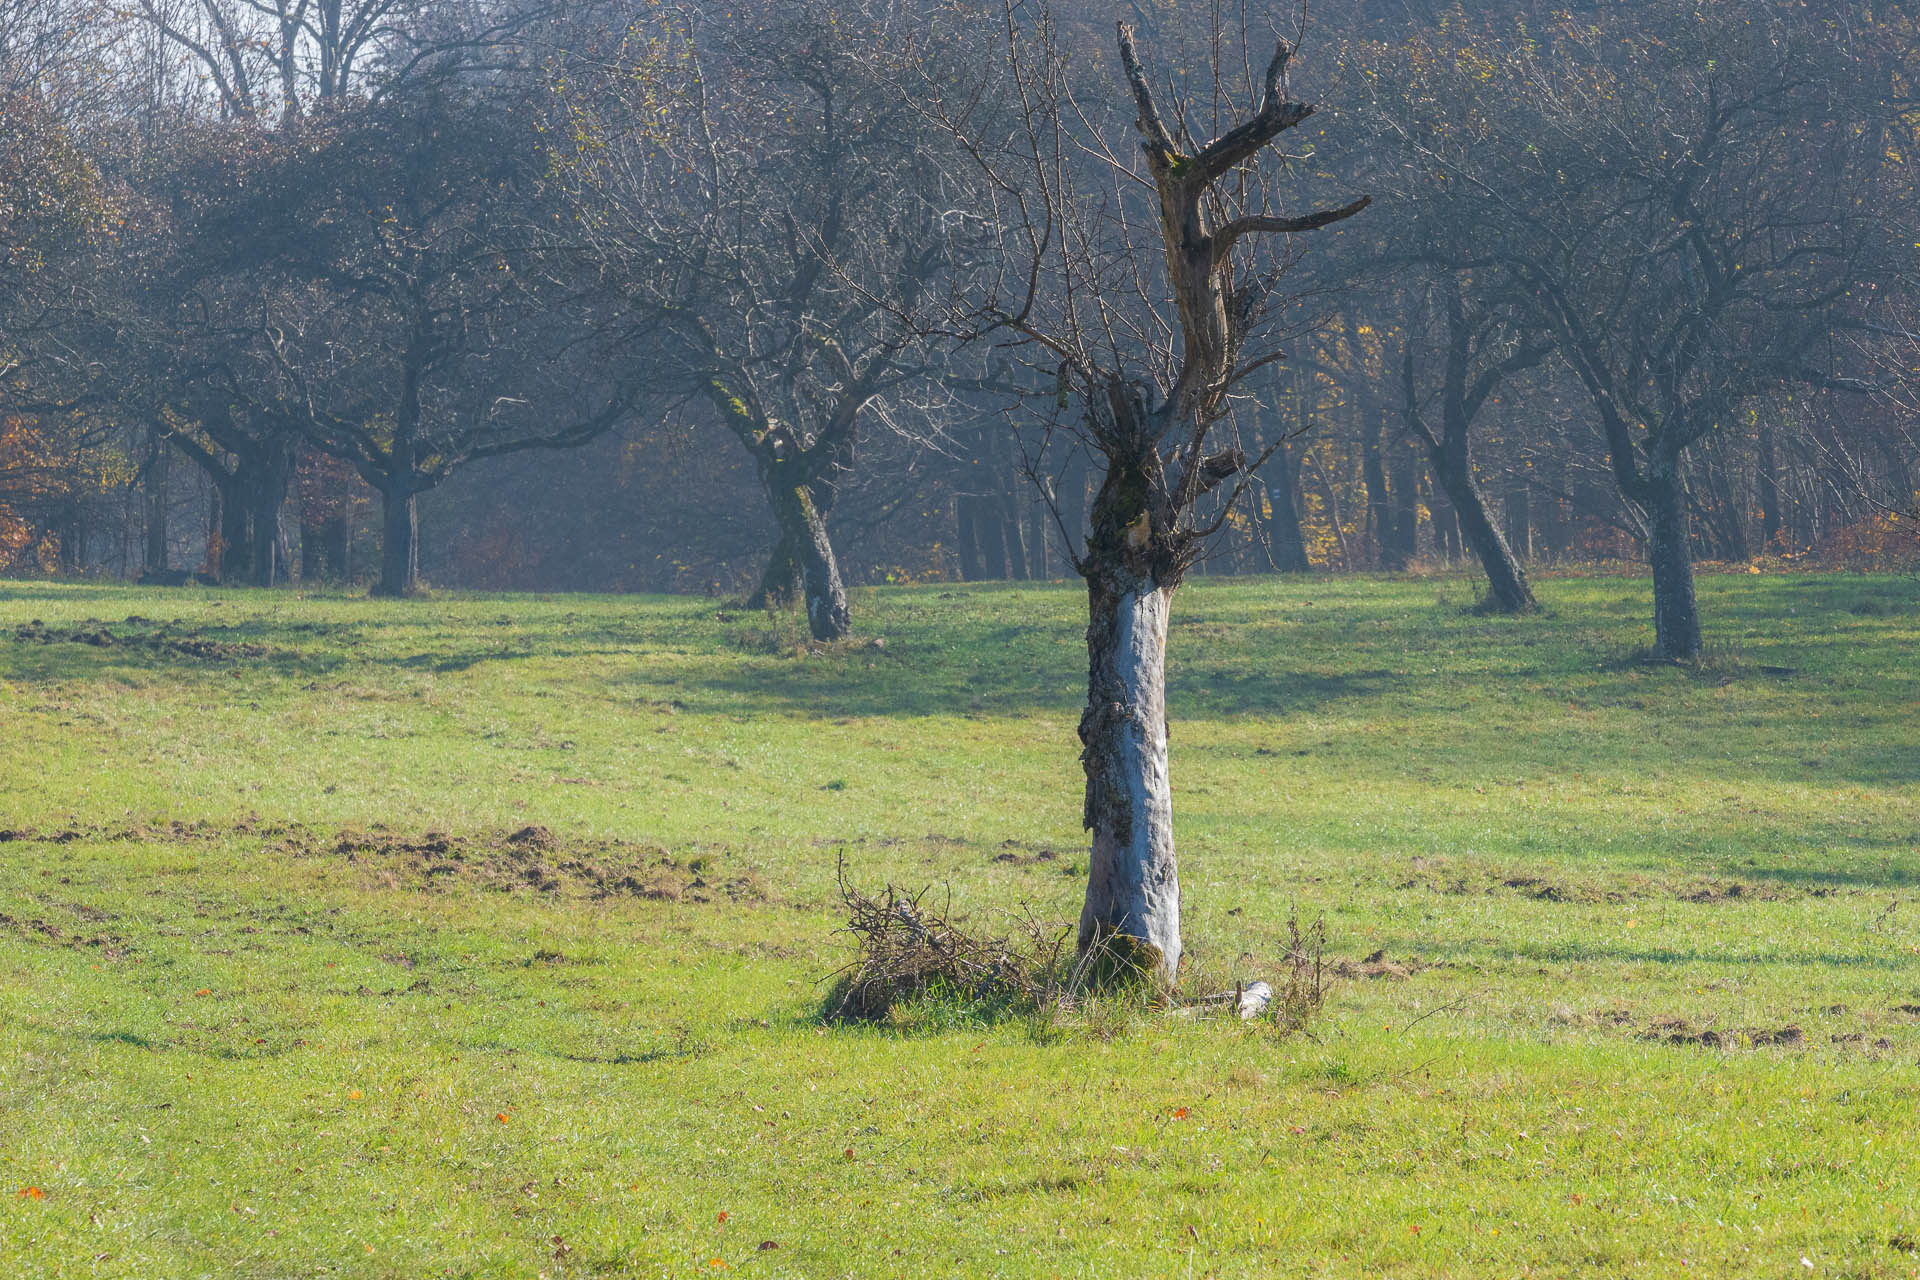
<point x="1679" y="1031"/>
<point x="531" y="859"/>
<point x="140" y="634"/>
<point x="45" y="933"/>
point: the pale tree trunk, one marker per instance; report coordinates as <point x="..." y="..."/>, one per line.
<point x="1676" y="613"/>
<point x="1133" y="883"/>
<point x="1131" y="916"/>
<point x="828" y="617"/>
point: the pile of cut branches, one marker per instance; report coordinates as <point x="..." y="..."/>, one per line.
<point x="905" y="948"/>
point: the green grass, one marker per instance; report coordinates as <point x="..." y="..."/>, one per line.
<point x="279" y="995"/>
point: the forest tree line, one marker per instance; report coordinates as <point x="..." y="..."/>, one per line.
<point x="506" y="294"/>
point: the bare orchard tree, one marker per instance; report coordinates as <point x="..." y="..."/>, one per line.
<point x="748" y="182"/>
<point x="1143" y="287"/>
<point x="1690" y="201"/>
<point x="388" y="287"/>
<point x="277" y="61"/>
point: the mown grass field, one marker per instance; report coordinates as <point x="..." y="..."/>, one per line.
<point x="288" y="988"/>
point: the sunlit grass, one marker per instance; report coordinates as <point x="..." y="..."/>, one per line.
<point x="1647" y="933"/>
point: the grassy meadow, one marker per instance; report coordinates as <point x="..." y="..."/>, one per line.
<point x="484" y="936"/>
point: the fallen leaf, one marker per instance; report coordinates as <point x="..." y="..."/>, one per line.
<point x="849" y="1153"/>
<point x="1181" y="1113"/>
<point x="33" y="1193"/>
<point x="204" y="991"/>
<point x="769" y="1244"/>
<point x="720" y="1216"/>
<point x="501" y="1116"/>
<point x="353" y="1094"/>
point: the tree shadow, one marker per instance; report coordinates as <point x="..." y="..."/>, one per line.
<point x="1488" y="951"/>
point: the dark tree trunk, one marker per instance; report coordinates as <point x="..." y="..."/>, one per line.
<point x="1037" y="541"/>
<point x="1071" y="494"/>
<point x="399" y="539"/>
<point x="991" y="531"/>
<point x="268" y="480"/>
<point x="1133" y="885"/>
<point x="780" y="583"/>
<point x="1379" y="513"/>
<point x="1767" y="479"/>
<point x="234" y="564"/>
<point x="801" y="527"/>
<point x="967" y="533"/>
<point x="1519" y="522"/>
<point x="1288" y="543"/>
<point x="1013" y="530"/>
<point x="1551" y="520"/>
<point x="309" y="550"/>
<point x="1676" y="615"/>
<point x="154" y="561"/>
<point x="1899" y="474"/>
<point x="1507" y="586"/>
<point x="337" y="543"/>
<point x="1404" y="507"/>
<point x="1446" y="528"/>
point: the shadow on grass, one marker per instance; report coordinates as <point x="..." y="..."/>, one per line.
<point x="1485" y="951"/>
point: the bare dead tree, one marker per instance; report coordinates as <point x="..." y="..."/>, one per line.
<point x="1143" y="286"/>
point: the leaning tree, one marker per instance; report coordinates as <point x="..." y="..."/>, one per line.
<point x="1144" y="288"/>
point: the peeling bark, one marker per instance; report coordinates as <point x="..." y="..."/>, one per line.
<point x="1133" y="884"/>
